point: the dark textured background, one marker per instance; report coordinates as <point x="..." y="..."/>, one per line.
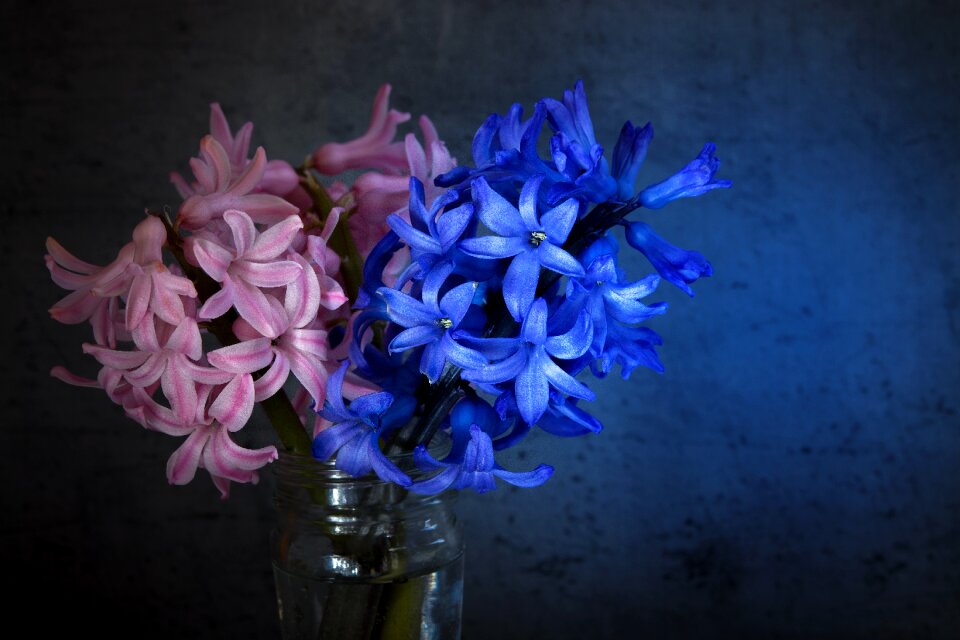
<point x="794" y="473"/>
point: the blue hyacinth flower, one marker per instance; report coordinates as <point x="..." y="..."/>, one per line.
<point x="529" y="364"/>
<point x="355" y="434"/>
<point x="532" y="241"/>
<point x="470" y="463"/>
<point x="676" y="265"/>
<point x="433" y="322"/>
<point x="628" y="155"/>
<point x="694" y="179"/>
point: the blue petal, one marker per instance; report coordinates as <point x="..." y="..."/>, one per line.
<point x="526" y="479"/>
<point x="459" y="355"/>
<point x="534" y="328"/>
<point x="370" y="405"/>
<point x="564" y="382"/>
<point x="502" y="371"/>
<point x="416" y="239"/>
<point x="528" y="203"/>
<point x="331" y="439"/>
<point x="559" y="221"/>
<point x="520" y="283"/>
<point x="405" y="310"/>
<point x="455" y="304"/>
<point x="628" y="154"/>
<point x="335" y="393"/>
<point x="433" y="361"/>
<point x="556" y="259"/>
<point x="425" y="461"/>
<point x="676" y="265"/>
<point x="694" y="179"/>
<point x="354" y="455"/>
<point x="532" y="389"/>
<point x="495" y="212"/>
<point x="494" y="246"/>
<point x="492" y="348"/>
<point x="483" y="142"/>
<point x="451" y="225"/>
<point x="437" y="483"/>
<point x="575" y="342"/>
<point x="415" y="337"/>
<point x="385" y="469"/>
<point x="433" y="281"/>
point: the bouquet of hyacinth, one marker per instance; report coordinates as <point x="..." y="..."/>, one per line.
<point x="367" y="314"/>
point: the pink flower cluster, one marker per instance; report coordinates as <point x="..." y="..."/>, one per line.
<point x="248" y="230"/>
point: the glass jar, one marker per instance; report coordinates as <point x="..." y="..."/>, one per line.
<point x="364" y="559"/>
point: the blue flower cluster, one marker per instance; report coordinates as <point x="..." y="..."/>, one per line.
<point x="513" y="289"/>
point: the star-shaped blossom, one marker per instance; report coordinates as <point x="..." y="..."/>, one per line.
<point x="532" y="240"/>
<point x="246" y="266"/>
<point x="355" y="433"/>
<point x="433" y="322"/>
<point x="470" y="463"/>
<point x="530" y="366"/>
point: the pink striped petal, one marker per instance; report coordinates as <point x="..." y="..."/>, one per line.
<point x="148" y="372"/>
<point x="302" y="298"/>
<point x="138" y="300"/>
<point x="416" y="157"/>
<point x="68" y="279"/>
<point x="248" y="356"/>
<point x="212" y="258"/>
<point x="63" y="375"/>
<point x="186" y="339"/>
<point x="251" y="177"/>
<point x="266" y="274"/>
<point x="312" y="341"/>
<point x="311" y="374"/>
<point x="271" y="381"/>
<point x="67" y="259"/>
<point x="219" y="128"/>
<point x="241" y="226"/>
<point x="241" y="144"/>
<point x="332" y="296"/>
<point x="233" y="406"/>
<point x="231" y="461"/>
<point x="145" y="336"/>
<point x="275" y="240"/>
<point x="124" y="360"/>
<point x="102" y="321"/>
<point x="219" y="303"/>
<point x="218" y="160"/>
<point x="264" y="208"/>
<point x="76" y="307"/>
<point x="253" y="306"/>
<point x="182" y="465"/>
<point x="207" y="375"/>
<point x="166" y="302"/>
<point x="179" y="388"/>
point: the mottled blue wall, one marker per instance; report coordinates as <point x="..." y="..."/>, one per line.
<point x="793" y="473"/>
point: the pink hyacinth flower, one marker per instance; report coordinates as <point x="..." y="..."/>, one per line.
<point x="375" y="149"/>
<point x="246" y="266"/>
<point x="279" y="177"/>
<point x="219" y="192"/>
<point x="209" y="446"/>
<point x="170" y="358"/>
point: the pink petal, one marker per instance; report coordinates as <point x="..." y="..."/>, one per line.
<point x="275" y="240"/>
<point x="145" y="336"/>
<point x="186" y="339"/>
<point x="124" y="360"/>
<point x="312" y="341"/>
<point x="279" y="178"/>
<point x="218" y="160"/>
<point x="250" y="178"/>
<point x="244" y="357"/>
<point x="333" y="296"/>
<point x="207" y="375"/>
<point x="264" y="208"/>
<point x="219" y="303"/>
<point x="416" y="158"/>
<point x="212" y="258"/>
<point x="244" y="233"/>
<point x="179" y="388"/>
<point x="147" y="373"/>
<point x="302" y="297"/>
<point x="165" y="302"/>
<point x="219" y="128"/>
<point x="311" y="373"/>
<point x="67" y="259"/>
<point x="222" y="485"/>
<point x="253" y="306"/>
<point x="228" y="458"/>
<point x="266" y="274"/>
<point x="233" y="406"/>
<point x="76" y="307"/>
<point x="241" y="144"/>
<point x="138" y="300"/>
<point x="102" y="321"/>
<point x="63" y="375"/>
<point x="182" y="465"/>
<point x="274" y="378"/>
